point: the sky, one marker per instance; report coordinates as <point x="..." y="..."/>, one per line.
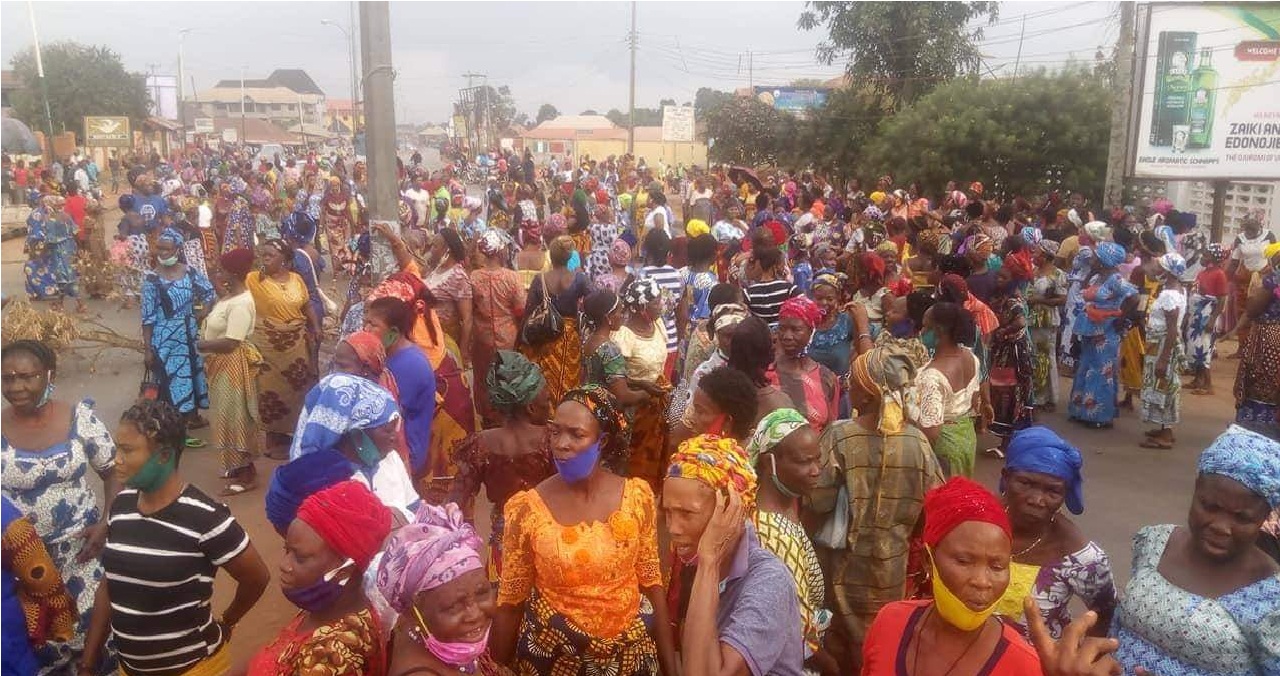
<point x="571" y="55"/>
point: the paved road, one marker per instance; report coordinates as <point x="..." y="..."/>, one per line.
<point x="1126" y="486"/>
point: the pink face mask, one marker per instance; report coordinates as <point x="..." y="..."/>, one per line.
<point x="460" y="654"/>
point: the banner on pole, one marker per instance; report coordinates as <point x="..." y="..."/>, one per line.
<point x="677" y="124"/>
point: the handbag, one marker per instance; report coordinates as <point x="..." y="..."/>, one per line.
<point x="544" y="324"/>
<point x="330" y="307"/>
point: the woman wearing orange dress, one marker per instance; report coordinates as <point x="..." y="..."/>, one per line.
<point x="581" y="589"/>
<point x="497" y="306"/>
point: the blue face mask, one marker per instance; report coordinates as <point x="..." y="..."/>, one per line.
<point x="579" y="467"/>
<point x="901" y="328"/>
<point x="930" y="339"/>
<point x="322" y="593"/>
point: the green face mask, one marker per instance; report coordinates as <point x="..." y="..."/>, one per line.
<point x="389" y="338"/>
<point x="154" y="472"/>
<point x="366" y="450"/>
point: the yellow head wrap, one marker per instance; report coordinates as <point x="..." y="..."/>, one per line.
<point x="696" y="227"/>
<point x="888" y="371"/>
<point x="718" y="462"/>
<point x="1271" y="250"/>
<point x="877" y="197"/>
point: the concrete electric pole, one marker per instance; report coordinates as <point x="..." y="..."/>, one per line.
<point x="1121" y="103"/>
<point x="380" y="128"/>
<point x="634" y="39"/>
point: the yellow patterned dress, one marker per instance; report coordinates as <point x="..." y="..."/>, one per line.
<point x="788" y="541"/>
<point x="280" y="334"/>
<point x="580" y="586"/>
<point x="350" y="645"/>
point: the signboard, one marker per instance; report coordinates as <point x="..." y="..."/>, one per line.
<point x="677" y="124"/>
<point x="229" y="135"/>
<point x="1208" y="93"/>
<point x="163" y="93"/>
<point x="107" y="131"/>
<point x="203" y="125"/>
<point x="792" y="99"/>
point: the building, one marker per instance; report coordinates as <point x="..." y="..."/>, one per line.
<point x="286" y="97"/>
<point x="595" y="137"/>
<point x="9" y="83"/>
<point x="1196" y="197"/>
<point x="338" y="116"/>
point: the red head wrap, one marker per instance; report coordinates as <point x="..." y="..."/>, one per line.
<point x="350" y="519"/>
<point x="802" y="308"/>
<point x="237" y="261"/>
<point x="872" y="267"/>
<point x="779" y="232"/>
<point x="1020" y="266"/>
<point x="957" y="501"/>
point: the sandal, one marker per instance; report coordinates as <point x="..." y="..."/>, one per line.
<point x="236" y="488"/>
<point x="280" y="456"/>
<point x="197" y="423"/>
<point x="1157" y="444"/>
<point x="994" y="452"/>
<point x="193" y="442"/>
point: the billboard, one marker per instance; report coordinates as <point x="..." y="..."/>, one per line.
<point x="163" y="92"/>
<point x="677" y="124"/>
<point x="1207" y="106"/>
<point x="107" y="131"/>
<point x="203" y="125"/>
<point x="792" y="99"/>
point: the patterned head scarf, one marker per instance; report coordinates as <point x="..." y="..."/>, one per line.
<point x="530" y="231"/>
<point x="772" y="429"/>
<point x="727" y="316"/>
<point x="958" y="501"/>
<point x="958" y="199"/>
<point x="889" y="371"/>
<point x="979" y="243"/>
<point x="1019" y="264"/>
<point x="436" y="548"/>
<point x="350" y="519"/>
<point x="1110" y="254"/>
<point x="605" y="409"/>
<point x="1031" y="235"/>
<point x="369" y="350"/>
<point x="873" y="213"/>
<point x="340" y="403"/>
<point x="172" y="236"/>
<point x="513" y="380"/>
<point x="619" y="253"/>
<point x="1050" y="247"/>
<point x="1039" y="449"/>
<point x="929" y="239"/>
<point x="639" y="293"/>
<point x="718" y="462"/>
<point x="491" y="243"/>
<point x="1214" y="253"/>
<point x="1247" y="457"/>
<point x="1098" y="231"/>
<point x="1165" y="234"/>
<point x="802" y="308"/>
<point x="556" y="225"/>
<point x="834" y="280"/>
<point x="1173" y="264"/>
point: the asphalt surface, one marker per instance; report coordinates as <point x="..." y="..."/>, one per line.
<point x="1126" y="487"/>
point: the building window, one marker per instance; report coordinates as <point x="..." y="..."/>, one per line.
<point x="275" y="107"/>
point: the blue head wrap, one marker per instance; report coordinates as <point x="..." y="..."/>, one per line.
<point x="293" y="481"/>
<point x="1110" y="254"/>
<point x="1247" y="457"/>
<point x="1165" y="234"/>
<point x="1031" y="235"/>
<point x="338" y="404"/>
<point x="1173" y="264"/>
<point x="173" y="237"/>
<point x="298" y="226"/>
<point x="1038" y="449"/>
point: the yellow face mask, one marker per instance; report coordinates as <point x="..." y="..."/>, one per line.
<point x="951" y="608"/>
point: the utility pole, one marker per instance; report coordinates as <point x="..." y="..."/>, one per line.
<point x="1021" y="34"/>
<point x="1121" y="104"/>
<point x="477" y="114"/>
<point x="380" y="128"/>
<point x="243" y="133"/>
<point x="634" y="39"/>
<point x="182" y="113"/>
<point x="751" y="72"/>
<point x="44" y="87"/>
<point x="355" y="79"/>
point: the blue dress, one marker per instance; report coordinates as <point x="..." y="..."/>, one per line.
<point x="830" y="347"/>
<point x="51" y="487"/>
<point x="1096" y="383"/>
<point x="49" y="272"/>
<point x="1168" y="630"/>
<point x="19" y="656"/>
<point x="416" y="381"/>
<point x="169" y="308"/>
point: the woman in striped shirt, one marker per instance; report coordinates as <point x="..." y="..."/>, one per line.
<point x="166" y="541"/>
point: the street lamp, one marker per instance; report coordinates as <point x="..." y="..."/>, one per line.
<point x="351" y="62"/>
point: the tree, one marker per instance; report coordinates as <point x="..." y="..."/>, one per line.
<point x="496" y="103"/>
<point x="666" y="102"/>
<point x="588" y="112"/>
<point x="833" y="137"/>
<point x="1012" y="134"/>
<point x="81" y="80"/>
<point x="546" y="112"/>
<point x="748" y="131"/>
<point x="904" y="48"/>
<point x="617" y="117"/>
<point x="707" y="100"/>
<point x="807" y="82"/>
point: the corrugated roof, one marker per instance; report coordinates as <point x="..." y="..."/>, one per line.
<point x="578" y="122"/>
<point x="256" y="131"/>
<point x="295" y="79"/>
<point x="9" y="78"/>
<point x="256" y="95"/>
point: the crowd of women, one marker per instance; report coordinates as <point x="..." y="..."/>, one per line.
<point x="739" y="442"/>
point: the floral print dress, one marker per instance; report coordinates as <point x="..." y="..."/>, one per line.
<point x="51" y="487"/>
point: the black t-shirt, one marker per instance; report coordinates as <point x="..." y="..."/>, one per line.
<point x="159" y="571"/>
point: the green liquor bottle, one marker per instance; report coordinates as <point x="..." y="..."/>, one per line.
<point x="1171" y="104"/>
<point x="1204" y="84"/>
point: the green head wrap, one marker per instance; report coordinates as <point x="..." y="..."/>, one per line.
<point x="513" y="381"/>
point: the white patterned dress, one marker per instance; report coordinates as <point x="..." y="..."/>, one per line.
<point x="51" y="487"/>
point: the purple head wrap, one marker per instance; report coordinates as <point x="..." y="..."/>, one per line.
<point x="437" y="548"/>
